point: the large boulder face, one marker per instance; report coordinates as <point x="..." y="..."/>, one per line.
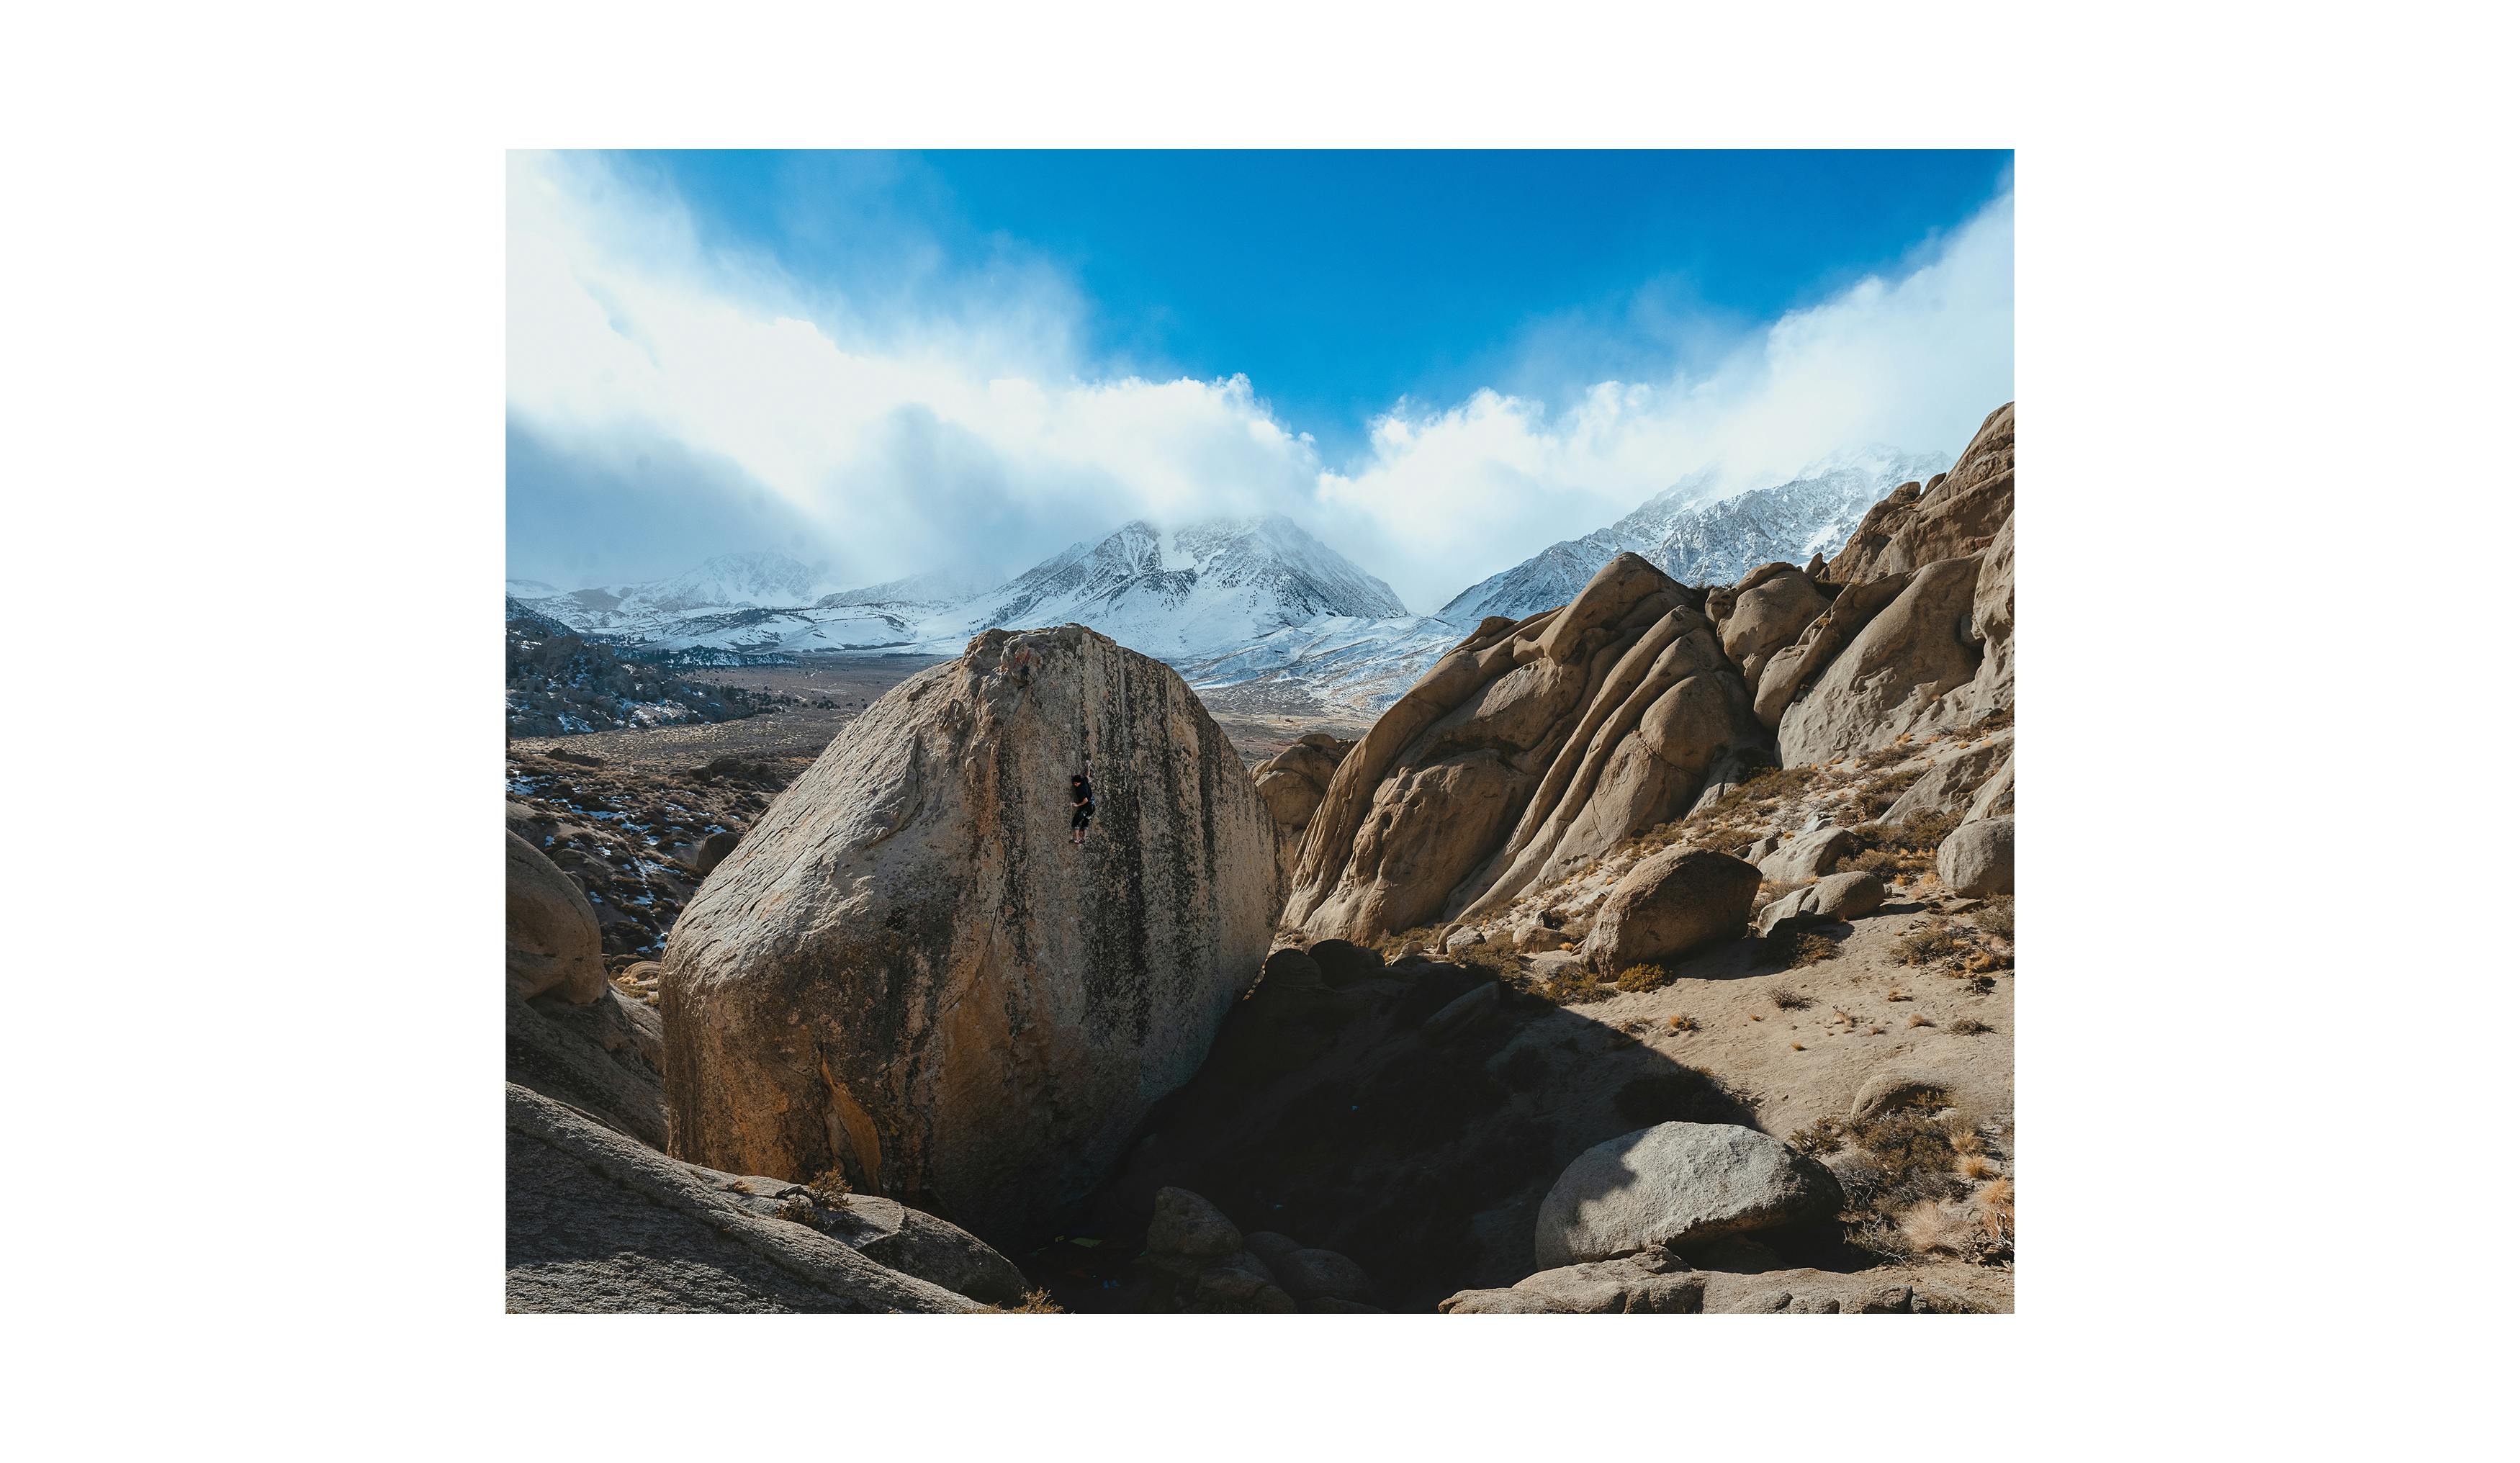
<point x="1892" y="679"/>
<point x="1292" y="783"/>
<point x="906" y="972"/>
<point x="553" y="944"/>
<point x="1675" y="1186"/>
<point x="1956" y="515"/>
<point x="1531" y="747"/>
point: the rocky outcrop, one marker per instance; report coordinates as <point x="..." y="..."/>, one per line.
<point x="1956" y="515"/>
<point x="553" y="944"/>
<point x="1531" y="747"/>
<point x="1951" y="778"/>
<point x="1665" y="1286"/>
<point x="1994" y="797"/>
<point x="1678" y="1184"/>
<point x="888" y="1232"/>
<point x="1676" y="902"/>
<point x="1292" y="783"/>
<point x="1767" y="612"/>
<point x="604" y="1057"/>
<point x="1655" y="1283"/>
<point x="1976" y="859"/>
<point x="1892" y="679"/>
<point x="906" y="973"/>
<point x="597" y="1222"/>
<point x="1919" y="637"/>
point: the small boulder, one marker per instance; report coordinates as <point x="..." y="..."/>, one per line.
<point x="1240" y="1283"/>
<point x="1289" y="968"/>
<point x="1809" y="856"/>
<point x="1311" y="1275"/>
<point x="553" y="944"/>
<point x="1674" y="902"/>
<point x="1976" y="859"/>
<point x="1676" y="1184"/>
<point x="1850" y="894"/>
<point x="1188" y="1235"/>
<point x="713" y="851"/>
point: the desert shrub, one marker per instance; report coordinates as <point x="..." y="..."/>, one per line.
<point x="1683" y="1022"/>
<point x="1789" y="947"/>
<point x="831" y="1188"/>
<point x="1034" y="1302"/>
<point x="1997" y="917"/>
<point x="797" y="1211"/>
<point x="1970" y="1026"/>
<point x="1933" y="940"/>
<point x="1789" y="1000"/>
<point x="1906" y="1172"/>
<point x="1877" y="799"/>
<point x="1576" y="985"/>
<point x="1643" y="978"/>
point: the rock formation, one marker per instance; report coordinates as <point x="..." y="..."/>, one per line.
<point x="553" y="944"/>
<point x="1529" y="748"/>
<point x="906" y="973"/>
<point x="1678" y="901"/>
<point x="1675" y="1186"/>
<point x="1919" y="637"/>
<point x="1292" y="783"/>
<point x="597" y="1222"/>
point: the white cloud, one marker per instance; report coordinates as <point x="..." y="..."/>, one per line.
<point x="1916" y="361"/>
<point x="902" y="437"/>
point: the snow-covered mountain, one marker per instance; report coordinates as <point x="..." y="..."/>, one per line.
<point x="730" y="584"/>
<point x="1717" y="543"/>
<point x="1197" y="591"/>
<point x="1202" y="590"/>
<point x="1699" y="538"/>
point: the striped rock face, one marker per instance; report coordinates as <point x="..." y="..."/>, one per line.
<point x="908" y="972"/>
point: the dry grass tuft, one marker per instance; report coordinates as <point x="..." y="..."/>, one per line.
<point x="1683" y="1022"/>
<point x="1978" y="1165"/>
<point x="1907" y="1183"/>
<point x="1796" y="1046"/>
<point x="1933" y="940"/>
<point x="1790" y="947"/>
<point x="1034" y="1302"/>
<point x="1576" y="985"/>
<point x="1918" y="1018"/>
<point x="1643" y="978"/>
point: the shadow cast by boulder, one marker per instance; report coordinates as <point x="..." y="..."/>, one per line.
<point x="1410" y="1117"/>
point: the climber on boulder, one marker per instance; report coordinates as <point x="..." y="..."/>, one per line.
<point x="1080" y="793"/>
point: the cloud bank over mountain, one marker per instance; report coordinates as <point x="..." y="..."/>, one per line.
<point x="670" y="396"/>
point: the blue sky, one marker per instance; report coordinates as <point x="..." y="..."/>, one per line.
<point x="821" y="351"/>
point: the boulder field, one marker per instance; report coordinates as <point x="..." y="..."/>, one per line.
<point x="908" y="973"/>
<point x="1536" y="746"/>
